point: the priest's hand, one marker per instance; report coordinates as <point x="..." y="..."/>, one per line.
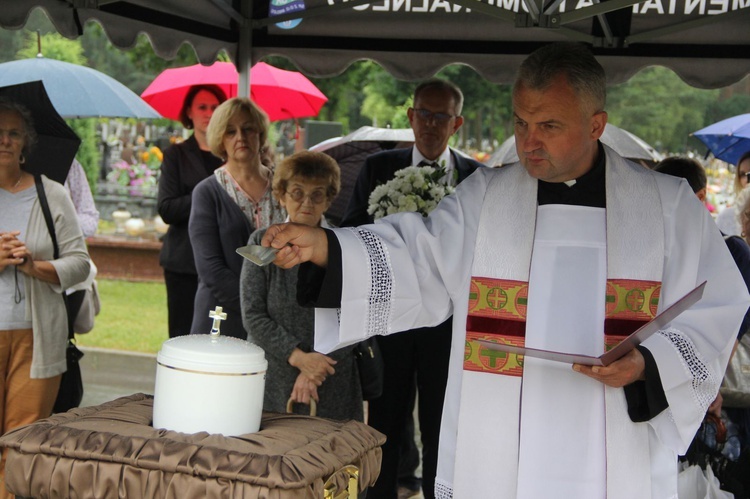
<point x="625" y="370"/>
<point x="297" y="243"/>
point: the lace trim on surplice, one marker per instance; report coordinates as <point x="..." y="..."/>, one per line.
<point x="704" y="382"/>
<point x="381" y="282"/>
<point x="443" y="490"/>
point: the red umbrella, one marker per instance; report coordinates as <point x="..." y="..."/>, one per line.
<point x="281" y="94"/>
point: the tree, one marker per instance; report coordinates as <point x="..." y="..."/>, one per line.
<point x="660" y="108"/>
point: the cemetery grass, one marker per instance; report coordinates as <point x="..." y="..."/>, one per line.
<point x="133" y="317"/>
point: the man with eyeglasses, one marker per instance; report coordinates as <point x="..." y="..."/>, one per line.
<point x="415" y="362"/>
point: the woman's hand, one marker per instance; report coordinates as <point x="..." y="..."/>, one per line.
<point x="12" y="251"/>
<point x="315" y="366"/>
<point x="304" y="390"/>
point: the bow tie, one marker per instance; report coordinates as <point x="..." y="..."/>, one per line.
<point x="425" y="162"/>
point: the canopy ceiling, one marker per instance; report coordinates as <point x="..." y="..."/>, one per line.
<point x="706" y="42"/>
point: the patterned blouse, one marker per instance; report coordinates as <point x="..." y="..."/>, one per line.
<point x="264" y="212"/>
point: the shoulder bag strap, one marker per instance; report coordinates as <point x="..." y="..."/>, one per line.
<point x="47" y="214"/>
<point x="51" y="228"/>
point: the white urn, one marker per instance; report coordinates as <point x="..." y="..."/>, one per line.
<point x="209" y="382"/>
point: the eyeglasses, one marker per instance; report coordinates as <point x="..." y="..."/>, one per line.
<point x="426" y="115"/>
<point x="316" y="197"/>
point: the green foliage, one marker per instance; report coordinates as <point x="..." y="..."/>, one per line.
<point x="54" y="46"/>
<point x="723" y="109"/>
<point x="133" y="317"/>
<point x="660" y="108"/>
<point x="487" y="108"/>
<point x="88" y="153"/>
<point x="386" y="100"/>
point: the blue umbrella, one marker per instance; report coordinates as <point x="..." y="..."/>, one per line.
<point x="727" y="139"/>
<point x="77" y="91"/>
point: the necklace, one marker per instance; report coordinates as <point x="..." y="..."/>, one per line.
<point x="18" y="182"/>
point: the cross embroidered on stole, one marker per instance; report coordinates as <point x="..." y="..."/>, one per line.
<point x="497" y="312"/>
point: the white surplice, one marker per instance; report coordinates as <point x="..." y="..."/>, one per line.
<point x="408" y="272"/>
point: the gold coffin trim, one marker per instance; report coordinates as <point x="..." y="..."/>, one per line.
<point x="329" y="488"/>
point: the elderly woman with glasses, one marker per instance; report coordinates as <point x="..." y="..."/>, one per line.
<point x="227" y="207"/>
<point x="728" y="218"/>
<point x="305" y="184"/>
<point x="33" y="318"/>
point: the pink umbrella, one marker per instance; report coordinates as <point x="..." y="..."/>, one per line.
<point x="281" y="94"/>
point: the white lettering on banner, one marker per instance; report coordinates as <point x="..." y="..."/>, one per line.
<point x="510" y="5"/>
<point x="443" y="5"/>
<point x="647" y="7"/>
<point x="690" y="6"/>
<point x="650" y="5"/>
<point x="722" y="6"/>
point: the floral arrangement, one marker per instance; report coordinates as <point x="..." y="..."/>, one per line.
<point x="141" y="177"/>
<point x="414" y="188"/>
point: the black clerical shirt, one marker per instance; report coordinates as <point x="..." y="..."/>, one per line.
<point x="322" y="287"/>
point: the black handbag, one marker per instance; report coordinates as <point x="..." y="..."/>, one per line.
<point x="70" y="393"/>
<point x="370" y="366"/>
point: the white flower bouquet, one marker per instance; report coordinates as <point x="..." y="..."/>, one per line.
<point x="414" y="188"/>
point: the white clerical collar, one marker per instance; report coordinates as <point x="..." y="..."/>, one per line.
<point x="570" y="183"/>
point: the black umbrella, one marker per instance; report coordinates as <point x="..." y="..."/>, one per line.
<point x="350" y="153"/>
<point x="57" y="143"/>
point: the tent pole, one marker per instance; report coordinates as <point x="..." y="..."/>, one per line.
<point x="244" y="49"/>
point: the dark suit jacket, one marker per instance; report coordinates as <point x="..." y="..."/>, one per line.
<point x="379" y="169"/>
<point x="181" y="170"/>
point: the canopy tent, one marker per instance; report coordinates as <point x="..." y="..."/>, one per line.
<point x="706" y="42"/>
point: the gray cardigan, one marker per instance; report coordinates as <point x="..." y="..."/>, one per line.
<point x="275" y="322"/>
<point x="44" y="304"/>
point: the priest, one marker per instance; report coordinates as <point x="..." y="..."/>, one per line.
<point x="571" y="250"/>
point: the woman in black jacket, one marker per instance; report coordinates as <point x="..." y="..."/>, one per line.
<point x="184" y="166"/>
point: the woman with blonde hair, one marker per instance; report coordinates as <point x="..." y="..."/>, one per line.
<point x="227" y="207"/>
<point x="727" y="219"/>
<point x="305" y="184"/>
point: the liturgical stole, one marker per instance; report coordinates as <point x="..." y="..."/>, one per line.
<point x="571" y="279"/>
